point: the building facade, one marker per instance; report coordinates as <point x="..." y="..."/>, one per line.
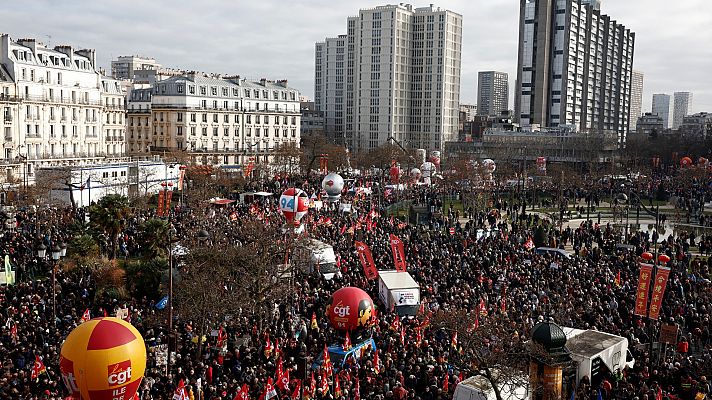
<point x="217" y="120"/>
<point x="636" y="99"/>
<point x="470" y="111"/>
<point x="662" y="107"/>
<point x="683" y="104"/>
<point x="53" y="108"/>
<point x="699" y="124"/>
<point x="312" y="121"/>
<point x="575" y="67"/>
<point x="395" y="75"/>
<point x="113" y="99"/>
<point x="492" y="92"/>
<point x="650" y="124"/>
<point x="125" y="67"/>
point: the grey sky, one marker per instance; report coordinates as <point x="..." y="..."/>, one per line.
<point x="275" y="39"/>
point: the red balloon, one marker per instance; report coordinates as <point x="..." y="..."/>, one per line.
<point x="663" y="258"/>
<point x="685" y="161"/>
<point x="350" y="309"/>
<point x="647" y="256"/>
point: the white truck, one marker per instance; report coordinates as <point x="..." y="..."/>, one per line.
<point x="314" y="255"/>
<point x="479" y="388"/>
<point x="596" y="352"/>
<point x="399" y="291"/>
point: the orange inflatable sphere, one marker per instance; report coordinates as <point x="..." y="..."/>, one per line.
<point x="103" y="359"/>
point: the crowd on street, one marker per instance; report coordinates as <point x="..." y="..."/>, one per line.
<point x="462" y="258"/>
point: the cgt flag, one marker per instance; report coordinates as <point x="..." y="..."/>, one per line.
<point x="398" y="252"/>
<point x="656" y="300"/>
<point x="369" y="266"/>
<point x="641" y="298"/>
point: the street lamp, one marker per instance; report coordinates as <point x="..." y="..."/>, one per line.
<point x="171" y="235"/>
<point x="56" y="255"/>
<point x="41" y="251"/>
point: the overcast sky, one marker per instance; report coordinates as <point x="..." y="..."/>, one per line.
<point x="275" y="39"/>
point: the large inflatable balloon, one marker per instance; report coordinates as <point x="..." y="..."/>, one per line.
<point x="103" y="359"/>
<point x="685" y="161"/>
<point x="294" y="204"/>
<point x="350" y="309"/>
<point x="333" y="184"/>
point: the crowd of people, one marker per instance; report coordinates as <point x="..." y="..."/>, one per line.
<point x="472" y="260"/>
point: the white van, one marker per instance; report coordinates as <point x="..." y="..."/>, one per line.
<point x="399" y="292"/>
<point x="314" y="255"/>
<point x="479" y="388"/>
<point x="597" y="352"/>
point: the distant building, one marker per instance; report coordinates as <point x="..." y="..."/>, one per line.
<point x="312" y="120"/>
<point x="650" y="124"/>
<point x="683" y="103"/>
<point x="470" y="111"/>
<point x="563" y="79"/>
<point x="662" y="107"/>
<point x="54" y="107"/>
<point x="699" y="124"/>
<point x="124" y="67"/>
<point x="217" y="120"/>
<point x="636" y="99"/>
<point x="395" y="74"/>
<point x="492" y="93"/>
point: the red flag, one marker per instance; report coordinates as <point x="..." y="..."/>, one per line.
<point x="396" y="324"/>
<point x="312" y="386"/>
<point x="454" y="340"/>
<point x="357" y="391"/>
<point x="347" y="343"/>
<point x="529" y="244"/>
<point x="641" y="301"/>
<point x="280" y="371"/>
<point x="243" y="393"/>
<point x="324" y="383"/>
<point x="398" y="253"/>
<point x="283" y="382"/>
<point x="376" y="363"/>
<point x="369" y="266"/>
<point x="337" y="387"/>
<point x="477" y="321"/>
<point x="656" y="300"/>
<point x="483" y="308"/>
<point x="418" y="336"/>
<point x="169" y="194"/>
<point x="659" y="394"/>
<point x="327" y="367"/>
<point x="13" y="332"/>
<point x="343" y="229"/>
<point x="269" y="391"/>
<point x="402" y="335"/>
<point x="222" y="338"/>
<point x="618" y="279"/>
<point x="446" y="384"/>
<point x="86" y="316"/>
<point x="38" y="368"/>
<point x="297" y="390"/>
<point x="268" y="347"/>
<point x="181" y="393"/>
<point x="161" y="203"/>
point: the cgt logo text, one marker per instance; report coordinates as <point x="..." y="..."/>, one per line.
<point x="342" y="311"/>
<point x="119" y="373"/>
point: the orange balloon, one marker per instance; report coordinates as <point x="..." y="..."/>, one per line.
<point x="103" y="359"/>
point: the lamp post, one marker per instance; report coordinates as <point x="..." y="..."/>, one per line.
<point x="171" y="235"/>
<point x="56" y="255"/>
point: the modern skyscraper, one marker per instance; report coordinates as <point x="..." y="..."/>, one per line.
<point x="395" y="74"/>
<point x="683" y="101"/>
<point x="636" y="99"/>
<point x="575" y="67"/>
<point x="662" y="108"/>
<point x="492" y="92"/>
